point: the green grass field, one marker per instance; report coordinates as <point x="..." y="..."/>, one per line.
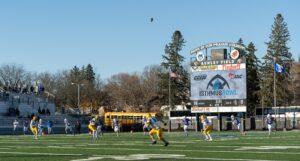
<point x="256" y="146"/>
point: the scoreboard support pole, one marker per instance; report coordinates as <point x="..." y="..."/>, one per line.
<point x="197" y="122"/>
<point x="219" y="122"/>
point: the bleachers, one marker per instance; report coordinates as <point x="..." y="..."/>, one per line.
<point x="26" y="104"/>
<point x="22" y="106"/>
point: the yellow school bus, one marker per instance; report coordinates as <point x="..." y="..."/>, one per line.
<point x="127" y="120"/>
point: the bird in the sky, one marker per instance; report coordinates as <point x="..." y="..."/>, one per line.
<point x="151" y="19"/>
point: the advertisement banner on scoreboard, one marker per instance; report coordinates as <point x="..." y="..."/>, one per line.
<point x="218" y="84"/>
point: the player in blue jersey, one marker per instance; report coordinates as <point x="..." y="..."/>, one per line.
<point x="100" y="125"/>
<point x="269" y="122"/>
<point x="49" y="126"/>
<point x="186" y="123"/>
<point x="237" y="122"/>
<point x="153" y="123"/>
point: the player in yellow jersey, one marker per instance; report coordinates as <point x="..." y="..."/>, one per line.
<point x="153" y="123"/>
<point x="93" y="128"/>
<point x="207" y="128"/>
<point x="33" y="127"/>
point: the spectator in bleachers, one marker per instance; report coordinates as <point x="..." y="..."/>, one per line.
<point x="39" y="110"/>
<point x="48" y="112"/>
<point x="17" y="112"/>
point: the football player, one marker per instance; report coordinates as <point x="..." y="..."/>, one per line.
<point x="207" y="128"/>
<point x="236" y="122"/>
<point x="92" y="127"/>
<point x="269" y="122"/>
<point x="116" y="126"/>
<point x="15" y="126"/>
<point x="100" y="126"/>
<point x="153" y="123"/>
<point x="33" y="127"/>
<point x="186" y="123"/>
<point x="144" y="122"/>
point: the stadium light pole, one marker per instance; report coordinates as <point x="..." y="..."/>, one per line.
<point x="78" y="92"/>
<point x="169" y="72"/>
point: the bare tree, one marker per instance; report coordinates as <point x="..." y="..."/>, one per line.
<point x="125" y="92"/>
<point x="12" y="75"/>
<point x="151" y="80"/>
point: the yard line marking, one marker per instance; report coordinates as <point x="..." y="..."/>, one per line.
<point x="192" y="158"/>
<point x="133" y="157"/>
<point x="268" y="147"/>
<point x="158" y="156"/>
<point x="170" y="150"/>
<point x="51" y="154"/>
<point x="185" y="150"/>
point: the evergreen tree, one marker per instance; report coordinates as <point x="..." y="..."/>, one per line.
<point x="75" y="74"/>
<point x="89" y="74"/>
<point x="253" y="82"/>
<point x="172" y="62"/>
<point x="242" y="52"/>
<point x="277" y="50"/>
<point x="83" y="73"/>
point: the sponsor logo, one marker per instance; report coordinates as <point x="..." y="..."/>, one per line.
<point x="218" y="86"/>
<point x="231" y="66"/>
<point x="233" y="76"/>
<point x="200" y="56"/>
<point x="217" y="82"/>
<point x="200" y="77"/>
<point x="234" y="54"/>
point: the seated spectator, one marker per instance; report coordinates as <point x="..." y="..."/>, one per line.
<point x="48" y="112"/>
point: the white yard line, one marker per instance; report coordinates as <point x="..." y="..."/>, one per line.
<point x="163" y="149"/>
<point x="158" y="156"/>
<point x="51" y="154"/>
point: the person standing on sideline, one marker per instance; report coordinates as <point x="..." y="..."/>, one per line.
<point x="68" y="128"/>
<point x="49" y="126"/>
<point x="153" y="123"/>
<point x="269" y="122"/>
<point x="15" y="126"/>
<point x="77" y="127"/>
<point x="25" y="127"/>
<point x="207" y="128"/>
<point x="40" y="127"/>
<point x="66" y="123"/>
<point x="186" y="123"/>
<point x="116" y="126"/>
<point x="144" y="122"/>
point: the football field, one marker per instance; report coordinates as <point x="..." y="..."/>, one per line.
<point x="255" y="146"/>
